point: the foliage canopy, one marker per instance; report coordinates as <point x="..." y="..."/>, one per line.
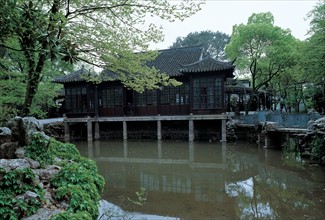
<point x="213" y="43"/>
<point x="261" y="48"/>
<point x="97" y="32"/>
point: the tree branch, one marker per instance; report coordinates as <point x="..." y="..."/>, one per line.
<point x="89" y="62"/>
<point x="68" y="9"/>
<point x="90" y="9"/>
<point x="14" y="49"/>
<point x="271" y="74"/>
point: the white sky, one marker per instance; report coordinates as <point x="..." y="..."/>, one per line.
<point x="221" y="15"/>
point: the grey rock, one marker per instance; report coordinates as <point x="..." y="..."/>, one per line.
<point x="12" y="164"/>
<point x="18" y="164"/>
<point x="4" y="131"/>
<point x="33" y="163"/>
<point x="48" y="198"/>
<point x="17" y="132"/>
<point x="4" y="164"/>
<point x="320" y="120"/>
<point x="42" y="214"/>
<point x="23" y="129"/>
<point x="7" y="150"/>
<point x="48" y="173"/>
<point x="31" y="123"/>
<point x="5" y="135"/>
<point x="57" y="160"/>
<point x="53" y="167"/>
<point x="64" y="205"/>
<point x="36" y="180"/>
<point x="28" y="195"/>
<point x="20" y="152"/>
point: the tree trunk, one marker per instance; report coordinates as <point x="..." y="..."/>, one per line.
<point x="33" y="80"/>
<point x="31" y="88"/>
<point x="35" y="68"/>
<point x="253" y="72"/>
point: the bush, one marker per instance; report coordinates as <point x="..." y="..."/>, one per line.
<point x="37" y="150"/>
<point x="64" y="151"/>
<point x="45" y="151"/>
<point x="318" y="147"/>
<point x="72" y="216"/>
<point x="78" y="182"/>
<point x="18" y="182"/>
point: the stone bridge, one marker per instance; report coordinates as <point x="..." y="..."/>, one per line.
<point x="280" y="119"/>
<point x="273" y="124"/>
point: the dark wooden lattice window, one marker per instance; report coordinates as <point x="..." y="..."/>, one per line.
<point x="165" y="96"/>
<point x="203" y="95"/>
<point x="207" y="93"/>
<point x="111" y="97"/>
<point x="151" y="97"/>
<point x="218" y="93"/>
<point x="140" y="99"/>
<point x="171" y="95"/>
<point x="148" y="97"/>
<point x="76" y="99"/>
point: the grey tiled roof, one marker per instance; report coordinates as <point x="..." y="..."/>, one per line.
<point x="169" y="61"/>
<point x="208" y="64"/>
<point x="72" y="77"/>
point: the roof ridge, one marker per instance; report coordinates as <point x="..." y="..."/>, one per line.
<point x="206" y="64"/>
<point x="181" y="48"/>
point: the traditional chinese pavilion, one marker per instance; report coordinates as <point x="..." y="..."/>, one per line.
<point x="200" y="97"/>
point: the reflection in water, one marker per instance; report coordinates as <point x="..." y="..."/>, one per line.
<point x="193" y="180"/>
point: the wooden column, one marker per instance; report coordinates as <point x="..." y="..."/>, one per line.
<point x="190" y="130"/>
<point x="89" y="129"/>
<point x="159" y="128"/>
<point x="97" y="134"/>
<point x="223" y="131"/>
<point x="96" y="102"/>
<point x="266" y="141"/>
<point x="272" y="139"/>
<point x="90" y="149"/>
<point x="125" y="132"/>
<point x="97" y="148"/>
<point x="66" y="130"/>
<point x="159" y="149"/>
<point x="260" y="137"/>
<point x="125" y="148"/>
<point x="191" y="151"/>
<point x="224" y="152"/>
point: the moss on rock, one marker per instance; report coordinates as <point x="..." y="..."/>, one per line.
<point x="77" y="184"/>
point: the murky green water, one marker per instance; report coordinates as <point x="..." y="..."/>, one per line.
<point x="203" y="180"/>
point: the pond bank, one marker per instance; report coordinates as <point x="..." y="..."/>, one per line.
<point x="46" y="178"/>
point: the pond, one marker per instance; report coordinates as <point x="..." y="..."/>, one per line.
<point x="208" y="180"/>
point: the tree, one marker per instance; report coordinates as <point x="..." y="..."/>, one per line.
<point x="314" y="54"/>
<point x="262" y="48"/>
<point x="213" y="43"/>
<point x="101" y="33"/>
<point x="290" y="84"/>
<point x="13" y="85"/>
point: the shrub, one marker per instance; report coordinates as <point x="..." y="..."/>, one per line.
<point x="78" y="181"/>
<point x="318" y="147"/>
<point x="17" y="182"/>
<point x="71" y="216"/>
<point x="79" y="199"/>
<point x="37" y="150"/>
<point x="63" y="150"/>
<point x="81" y="185"/>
